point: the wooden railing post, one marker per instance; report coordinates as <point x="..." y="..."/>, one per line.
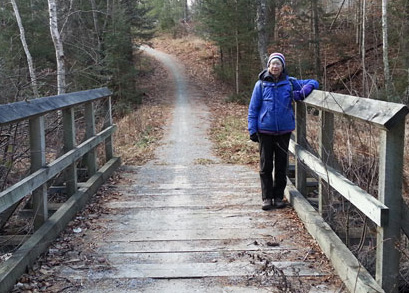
<point x="300" y="174"/>
<point x="91" y="157"/>
<point x="390" y="193"/>
<point x="109" y="149"/>
<point x="326" y="152"/>
<point x="38" y="160"/>
<point x="69" y="144"/>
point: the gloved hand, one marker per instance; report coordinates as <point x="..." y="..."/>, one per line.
<point x="303" y="93"/>
<point x="254" y="137"/>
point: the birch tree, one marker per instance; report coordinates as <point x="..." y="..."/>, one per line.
<point x="59" y="51"/>
<point x="26" y="50"/>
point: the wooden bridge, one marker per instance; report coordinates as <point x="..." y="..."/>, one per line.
<point x="186" y="222"/>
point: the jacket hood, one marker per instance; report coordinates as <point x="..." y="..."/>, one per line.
<point x="265" y="75"/>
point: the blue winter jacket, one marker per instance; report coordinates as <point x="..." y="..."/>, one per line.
<point x="270" y="107"/>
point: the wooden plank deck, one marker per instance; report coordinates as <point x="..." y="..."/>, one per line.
<point x="174" y="235"/>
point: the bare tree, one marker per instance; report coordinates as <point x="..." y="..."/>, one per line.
<point x="386" y="71"/>
<point x="59" y="50"/>
<point x="262" y="31"/>
<point x="363" y="48"/>
<point x="96" y="26"/>
<point x="33" y="77"/>
<point x="185" y="11"/>
<point x="317" y="63"/>
<point x="404" y="45"/>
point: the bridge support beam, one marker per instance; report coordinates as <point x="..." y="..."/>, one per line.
<point x="38" y="160"/>
<point x="326" y="152"/>
<point x="39" y="242"/>
<point x="91" y="157"/>
<point x="69" y="144"/>
<point x="390" y="194"/>
<point x="300" y="138"/>
<point x="353" y="274"/>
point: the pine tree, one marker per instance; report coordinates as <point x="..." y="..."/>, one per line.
<point x="230" y="24"/>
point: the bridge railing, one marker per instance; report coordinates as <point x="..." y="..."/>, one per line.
<point x="36" y="183"/>
<point x="388" y="211"/>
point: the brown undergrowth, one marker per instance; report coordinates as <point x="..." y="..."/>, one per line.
<point x="139" y="132"/>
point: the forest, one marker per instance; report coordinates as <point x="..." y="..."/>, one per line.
<point x="355" y="47"/>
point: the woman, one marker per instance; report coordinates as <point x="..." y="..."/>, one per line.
<point x="271" y="121"/>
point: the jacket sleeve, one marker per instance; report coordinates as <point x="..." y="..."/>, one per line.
<point x="254" y="107"/>
<point x="299" y="83"/>
<point x="302" y="88"/>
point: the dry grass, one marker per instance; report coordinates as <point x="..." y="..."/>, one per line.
<point x="229" y="132"/>
<point x="140" y="131"/>
<point x="138" y="134"/>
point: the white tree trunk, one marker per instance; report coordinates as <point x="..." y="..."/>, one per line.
<point x="33" y="77"/>
<point x="386" y="71"/>
<point x="59" y="52"/>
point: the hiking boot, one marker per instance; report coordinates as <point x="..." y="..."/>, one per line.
<point x="279" y="203"/>
<point x="267" y="204"/>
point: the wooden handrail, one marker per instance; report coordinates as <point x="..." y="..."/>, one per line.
<point x="46" y="229"/>
<point x="379" y="113"/>
<point x="366" y="203"/>
<point x="10" y="113"/>
<point x="15" y="193"/>
<point x="386" y="211"/>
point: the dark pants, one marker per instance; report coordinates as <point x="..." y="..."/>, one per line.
<point x="273" y="155"/>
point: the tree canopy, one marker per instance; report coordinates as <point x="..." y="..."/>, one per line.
<point x="337" y="43"/>
<point x="98" y="36"/>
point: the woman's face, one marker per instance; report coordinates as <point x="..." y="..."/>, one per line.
<point x="275" y="67"/>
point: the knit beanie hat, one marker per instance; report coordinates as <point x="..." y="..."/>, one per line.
<point x="279" y="56"/>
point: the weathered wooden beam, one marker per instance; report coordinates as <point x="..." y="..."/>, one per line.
<point x="29" y="213"/>
<point x="91" y="157"/>
<point x="326" y="152"/>
<point x="366" y="203"/>
<point x="109" y="147"/>
<point x="300" y="138"/>
<point x="25" y="256"/>
<point x="392" y="144"/>
<point x="19" y="190"/>
<point x="70" y="173"/>
<point x="348" y="268"/>
<point x="14" y="112"/>
<point x="38" y="160"/>
<point x="380" y="113"/>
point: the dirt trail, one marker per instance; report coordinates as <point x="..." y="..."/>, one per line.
<point x="186" y="141"/>
<point x="185" y="222"/>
